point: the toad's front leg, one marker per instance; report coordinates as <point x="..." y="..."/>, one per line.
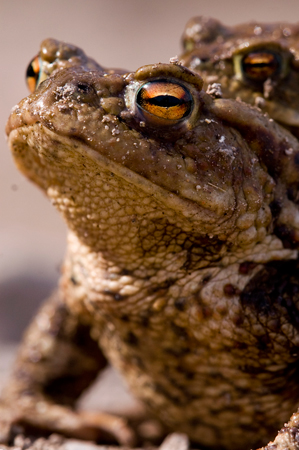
<point x="56" y="362"/>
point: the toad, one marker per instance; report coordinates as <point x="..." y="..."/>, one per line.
<point x="182" y="259"/>
<point x="255" y="62"/>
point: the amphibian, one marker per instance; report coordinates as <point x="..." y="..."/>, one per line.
<point x="256" y="62"/>
<point x="177" y="270"/>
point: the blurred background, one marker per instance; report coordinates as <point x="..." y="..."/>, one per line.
<point x="117" y="33"/>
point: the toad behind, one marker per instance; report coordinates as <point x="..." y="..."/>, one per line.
<point x="175" y="270"/>
<point x="255" y="62"/>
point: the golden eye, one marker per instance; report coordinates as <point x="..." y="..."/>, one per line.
<point x="33" y="73"/>
<point x="164" y="99"/>
<point x="261" y="65"/>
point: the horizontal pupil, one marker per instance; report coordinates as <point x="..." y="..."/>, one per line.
<point x="165" y="101"/>
<point x="259" y="65"/>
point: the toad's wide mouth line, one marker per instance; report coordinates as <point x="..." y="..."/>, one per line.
<point x="282" y="114"/>
<point x="186" y="208"/>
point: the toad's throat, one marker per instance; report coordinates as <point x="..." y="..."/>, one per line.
<point x="48" y="158"/>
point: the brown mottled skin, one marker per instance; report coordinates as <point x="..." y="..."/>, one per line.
<point x="177" y="270"/>
<point x="216" y="51"/>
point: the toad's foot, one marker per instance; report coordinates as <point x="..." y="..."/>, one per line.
<point x="55" y="418"/>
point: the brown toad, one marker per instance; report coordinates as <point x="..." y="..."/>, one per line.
<point x="176" y="271"/>
<point x="256" y="62"/>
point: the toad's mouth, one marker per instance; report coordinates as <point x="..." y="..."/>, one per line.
<point x="52" y="160"/>
<point x="282" y="114"/>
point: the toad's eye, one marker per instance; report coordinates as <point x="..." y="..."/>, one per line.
<point x="165" y="100"/>
<point x="261" y="65"/>
<point x="33" y="73"/>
